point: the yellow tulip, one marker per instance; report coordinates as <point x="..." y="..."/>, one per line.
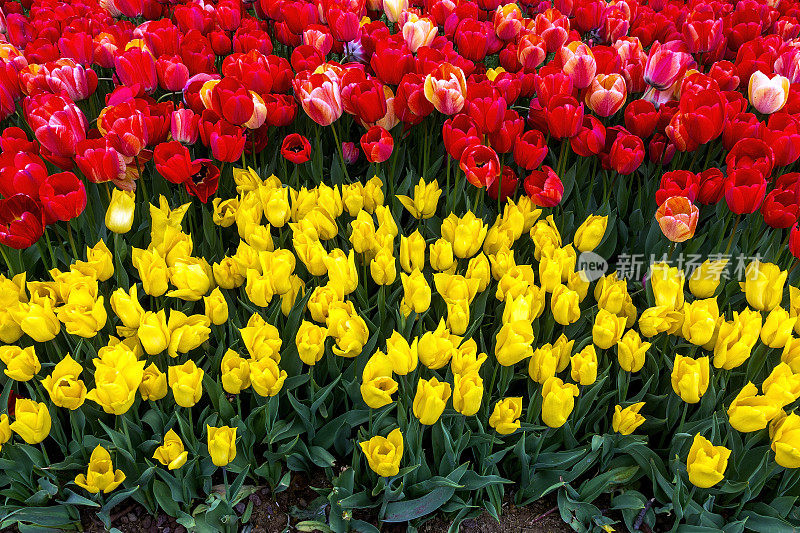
<point x="21" y="363"/>
<point x="153" y="332"/>
<point x="347" y="328"/>
<point x="736" y="339"/>
<point x="235" y="372"/>
<point x="479" y="269"/>
<point x="625" y="421"/>
<point x="383" y="268"/>
<point x="660" y="319"/>
<point x="224" y="214"/>
<point x="265" y="376"/>
<point x="117" y="376"/>
<point x="607" y="329"/>
<point x="186" y="332"/>
<point x="310" y="341"/>
<point x="705" y="278"/>
<point x="152" y="268"/>
<point x="467" y="393"/>
<point x="261" y="339"/>
<point x="377" y="384"/>
<point x="700" y="320"/>
<point x="100" y="476"/>
<point x="37" y="319"/>
<point x="31" y="420"/>
<point x="584" y="366"/>
<point x="466" y="234"/>
<point x="430" y="400"/>
<point x="412" y="252"/>
<point x="544" y="234"/>
<point x="782" y="386"/>
<point x="402" y="355"/>
<point x="227" y="273"/>
<point x="154" y="383"/>
<point x="785" y="436"/>
<point x="171" y="453"/>
<point x="384" y="453"/>
<point x="119" y="215"/>
<point x="564" y="305"/>
<point x="64" y="386"/>
<point x="631" y="351"/>
<point x="191" y="277"/>
<point x="505" y="416"/>
<point x="99" y="262"/>
<point x="706" y="463"/>
<point x="342" y="274"/>
<point x="441" y="255"/>
<point x="466" y="358"/>
<point x="563" y="348"/>
<point x="750" y="411"/>
<point x="186" y="382"/>
<point x="127" y="307"/>
<point x="558" y="401"/>
<point x="436" y="348"/>
<point x="543" y="363"/>
<point x="763" y="285"/>
<point x="667" y="283"/>
<point x="514" y="343"/>
<point x="590" y="233"/>
<point x="216" y="307"/>
<point x="221" y="444"/>
<point x="690" y="377"/>
<point x="777" y="328"/>
<point x="426" y="198"/>
<point x="5" y="430"/>
<point x="353" y="198"/>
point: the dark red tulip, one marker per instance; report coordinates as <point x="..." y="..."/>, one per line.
<point x="744" y="190"/>
<point x="530" y="149"/>
<point x="377" y="144"/>
<point x="296" y="148"/>
<point x="174" y="162"/>
<point x="20" y="221"/>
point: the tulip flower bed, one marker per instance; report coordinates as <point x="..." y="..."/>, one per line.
<point x="448" y="253"/>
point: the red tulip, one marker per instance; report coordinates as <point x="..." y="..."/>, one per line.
<point x="677" y="183"/>
<point x="173" y="161"/>
<point x="506" y="185"/>
<point x="627" y="152"/>
<point x="530" y="149"/>
<point x="63" y="197"/>
<point x="510" y="129"/>
<point x="281" y="109"/>
<point x="232" y="101"/>
<point x="664" y="65"/>
<point x="752" y="154"/>
<point x="137" y="67"/>
<point x="472" y="40"/>
<point x="410" y="104"/>
<point x="744" y="190"/>
<point x="205" y="182"/>
<point x="591" y="138"/>
<point x="172" y="73"/>
<point x="225" y="139"/>
<point x="21" y="173"/>
<point x="641" y="118"/>
<point x="486" y="107"/>
<point x="377" y="144"/>
<point x="564" y="116"/>
<point x="794" y="241"/>
<point x="296" y="148"/>
<point x="782" y="134"/>
<point x="458" y="133"/>
<point x="544" y="187"/>
<point x="99" y="162"/>
<point x="184" y="126"/>
<point x="481" y="165"/>
<point x="350" y="152"/>
<point x="364" y="98"/>
<point x="20" y="221"/>
<point x="711" y="186"/>
<point x="780" y="208"/>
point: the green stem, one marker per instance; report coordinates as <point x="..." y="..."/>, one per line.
<point x="72" y="240"/>
<point x="341" y="152"/>
<point x="5" y="258"/>
<point x="733" y="232"/>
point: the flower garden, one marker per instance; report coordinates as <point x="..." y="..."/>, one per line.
<point x="445" y="253"/>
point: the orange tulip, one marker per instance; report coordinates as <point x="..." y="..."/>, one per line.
<point x="606" y="94"/>
<point x="677" y="217"/>
<point x="446" y="88"/>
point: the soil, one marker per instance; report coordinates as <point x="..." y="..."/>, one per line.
<point x="278" y="513"/>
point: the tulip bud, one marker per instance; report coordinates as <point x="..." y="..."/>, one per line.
<point x="590" y="233"/>
<point x="607" y="329"/>
<point x="377" y="385"/>
<point x="564" y="305"/>
<point x="700" y="321"/>
<point x="186" y="382"/>
<point x="64" y="386"/>
<point x="558" y="401"/>
<point x="690" y="377"/>
<point x="154" y="383"/>
<point x="310" y="341"/>
<point x="763" y="285"/>
<point x="119" y="215"/>
<point x="467" y="393"/>
<point x="631" y="352"/>
<point x="221" y="444"/>
<point x="31" y="420"/>
<point x="544" y="363"/>
<point x="265" y="376"/>
<point x="412" y="252"/>
<point x="514" y="342"/>
<point x="100" y="476"/>
<point x="777" y="328"/>
<point x="705" y="278"/>
<point x="584" y="366"/>
<point x="21" y="363"/>
<point x="416" y="292"/>
<point x="430" y="400"/>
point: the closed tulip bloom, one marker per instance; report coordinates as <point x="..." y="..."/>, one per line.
<point x="791" y="354"/>
<point x="64" y="385"/>
<point x="750" y="411"/>
<point x="235" y="372"/>
<point x="631" y="351"/>
<point x="564" y="305"/>
<point x="186" y="382"/>
<point x="544" y="363"/>
<point x="418" y="32"/>
<point x="402" y="355"/>
<point x="377" y="384"/>
<point x="606" y="94"/>
<point x="119" y="215"/>
<point x="216" y="307"/>
<point x="766" y="94"/>
<point x="563" y="348"/>
<point x="99" y="262"/>
<point x="153" y="332"/>
<point x="558" y="401"/>
<point x="584" y="366"/>
<point x="320" y="96"/>
<point x="261" y="338"/>
<point x="5" y="430"/>
<point x="310" y="342"/>
<point x="514" y="343"/>
<point x="21" y="363"/>
<point x="706" y="463"/>
<point x="777" y="328"/>
<point x="607" y="329"/>
<point x="590" y="233"/>
<point x="100" y="476"/>
<point x="224" y="214"/>
<point x="677" y="217"/>
<point x="736" y="339"/>
<point x="383" y="268"/>
<point x="667" y="283"/>
<point x="441" y="255"/>
<point x="412" y="252"/>
<point x="782" y="386"/>
<point x="446" y="88"/>
<point x="794" y="306"/>
<point x="31" y="420"/>
<point x="416" y="292"/>
<point x="384" y="453"/>
<point x="690" y="377"/>
<point x="342" y="273"/>
<point x="763" y="285"/>
<point x="625" y="421"/>
<point x="467" y="393"/>
<point x="152" y="268"/>
<point x="171" y="453"/>
<point x="221" y="444"/>
<point x="265" y="376"/>
<point x="785" y="435"/>
<point x="154" y="384"/>
<point x="37" y="319"/>
<point x="705" y="278"/>
<point x="426" y="198"/>
<point x="700" y="319"/>
<point x="348" y="328"/>
<point x="505" y="416"/>
<point x="466" y="233"/>
<point x="430" y="400"/>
